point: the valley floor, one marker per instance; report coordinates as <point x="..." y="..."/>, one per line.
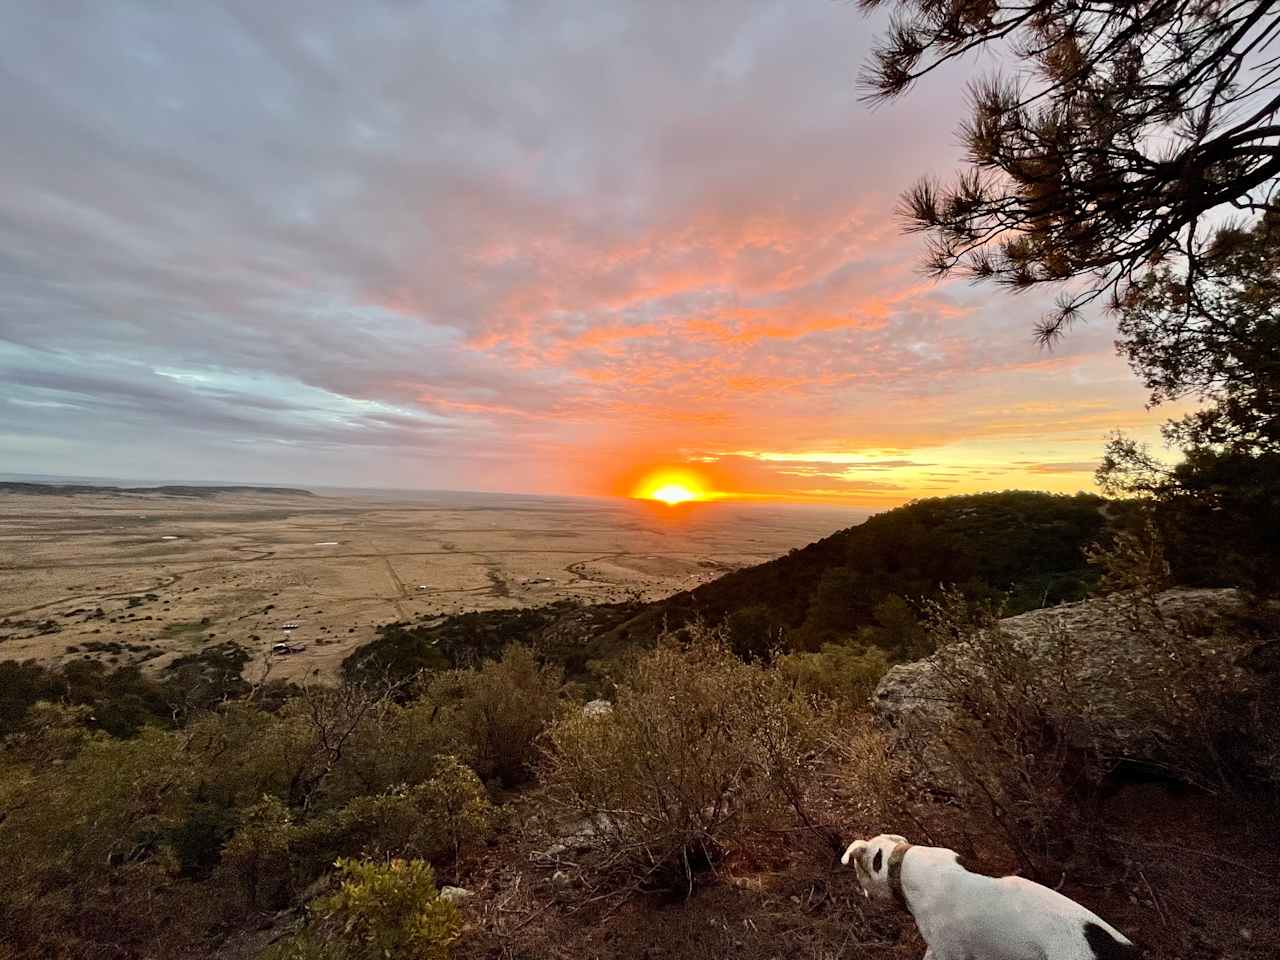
<point x="139" y="577"/>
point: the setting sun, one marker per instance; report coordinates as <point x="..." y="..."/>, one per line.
<point x="672" y="487"/>
<point x="673" y="493"/>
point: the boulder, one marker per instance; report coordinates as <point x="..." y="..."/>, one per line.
<point x="1132" y="666"/>
<point x="586" y="834"/>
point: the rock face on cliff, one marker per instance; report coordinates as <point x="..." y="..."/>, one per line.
<point x="1132" y="679"/>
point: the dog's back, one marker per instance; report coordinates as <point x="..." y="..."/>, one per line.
<point x="1066" y="929"/>
<point x="965" y="914"/>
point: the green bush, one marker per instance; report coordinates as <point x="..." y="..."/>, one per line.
<point x="381" y="911"/>
<point x="753" y="634"/>
<point x="198" y="838"/>
<point x="399" y="746"/>
<point x="276" y="853"/>
<point x="699" y="753"/>
<point x="845" y="674"/>
<point x="83" y="847"/>
<point x="454" y="810"/>
<point x="499" y="710"/>
<point x="433" y="820"/>
<point x="259" y="857"/>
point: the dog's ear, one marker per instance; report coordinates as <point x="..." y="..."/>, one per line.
<point x="853" y="852"/>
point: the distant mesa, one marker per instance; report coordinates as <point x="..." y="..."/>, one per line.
<point x="164" y="490"/>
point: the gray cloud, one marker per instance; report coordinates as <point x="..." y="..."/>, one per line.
<point x="453" y="233"/>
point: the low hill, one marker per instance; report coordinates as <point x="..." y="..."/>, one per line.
<point x="1029" y="546"/>
<point x="167" y="490"/>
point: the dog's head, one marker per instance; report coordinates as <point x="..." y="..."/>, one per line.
<point x="870" y="861"/>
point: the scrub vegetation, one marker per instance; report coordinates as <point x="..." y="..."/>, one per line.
<point x="728" y="764"/>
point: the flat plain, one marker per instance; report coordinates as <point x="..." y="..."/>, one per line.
<point x="126" y="577"/>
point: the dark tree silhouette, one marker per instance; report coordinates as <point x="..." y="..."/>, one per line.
<point x="1214" y="336"/>
<point x="1126" y="125"/>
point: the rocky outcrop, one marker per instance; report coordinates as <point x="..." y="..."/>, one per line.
<point x="1138" y="672"/>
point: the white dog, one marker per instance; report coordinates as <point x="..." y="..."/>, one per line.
<point x="966" y="916"/>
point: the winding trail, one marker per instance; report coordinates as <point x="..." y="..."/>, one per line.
<point x="401" y="593"/>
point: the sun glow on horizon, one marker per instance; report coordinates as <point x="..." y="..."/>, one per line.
<point x="673" y="493"/>
<point x="673" y="487"/>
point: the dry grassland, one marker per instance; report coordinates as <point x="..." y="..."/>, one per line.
<point x="142" y="577"/>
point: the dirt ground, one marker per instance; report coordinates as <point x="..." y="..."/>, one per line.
<point x="1186" y="876"/>
<point x="141" y="577"/>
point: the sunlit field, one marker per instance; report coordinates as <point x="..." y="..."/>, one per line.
<point x="170" y="574"/>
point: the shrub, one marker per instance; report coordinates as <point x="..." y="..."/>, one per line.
<point x="1217" y="727"/>
<point x="753" y="634"/>
<point x="433" y="820"/>
<point x="276" y="853"/>
<point x="109" y="802"/>
<point x="399" y="746"/>
<point x="897" y="629"/>
<point x="845" y="674"/>
<point x="51" y="734"/>
<point x="381" y="911"/>
<point x="700" y="752"/>
<point x="454" y="810"/>
<point x="259" y="857"/>
<point x="499" y="710"/>
<point x="870" y="777"/>
<point x="198" y="838"/>
<point x="241" y="753"/>
<point x="321" y="727"/>
<point x="398" y="653"/>
<point x="21" y="685"/>
<point x="82" y="848"/>
<point x="1017" y="732"/>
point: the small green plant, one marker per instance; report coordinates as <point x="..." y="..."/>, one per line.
<point x="381" y="911"/>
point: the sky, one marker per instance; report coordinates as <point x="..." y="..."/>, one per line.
<point x="517" y="246"/>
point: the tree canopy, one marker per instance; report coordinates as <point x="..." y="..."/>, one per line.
<point x="1109" y="149"/>
<point x="1213" y="335"/>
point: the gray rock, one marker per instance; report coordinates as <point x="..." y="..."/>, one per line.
<point x="597" y="708"/>
<point x="1121" y="661"/>
<point x="580" y="837"/>
<point x="456" y="894"/>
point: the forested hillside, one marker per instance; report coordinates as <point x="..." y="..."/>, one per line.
<point x="1028" y="546"/>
